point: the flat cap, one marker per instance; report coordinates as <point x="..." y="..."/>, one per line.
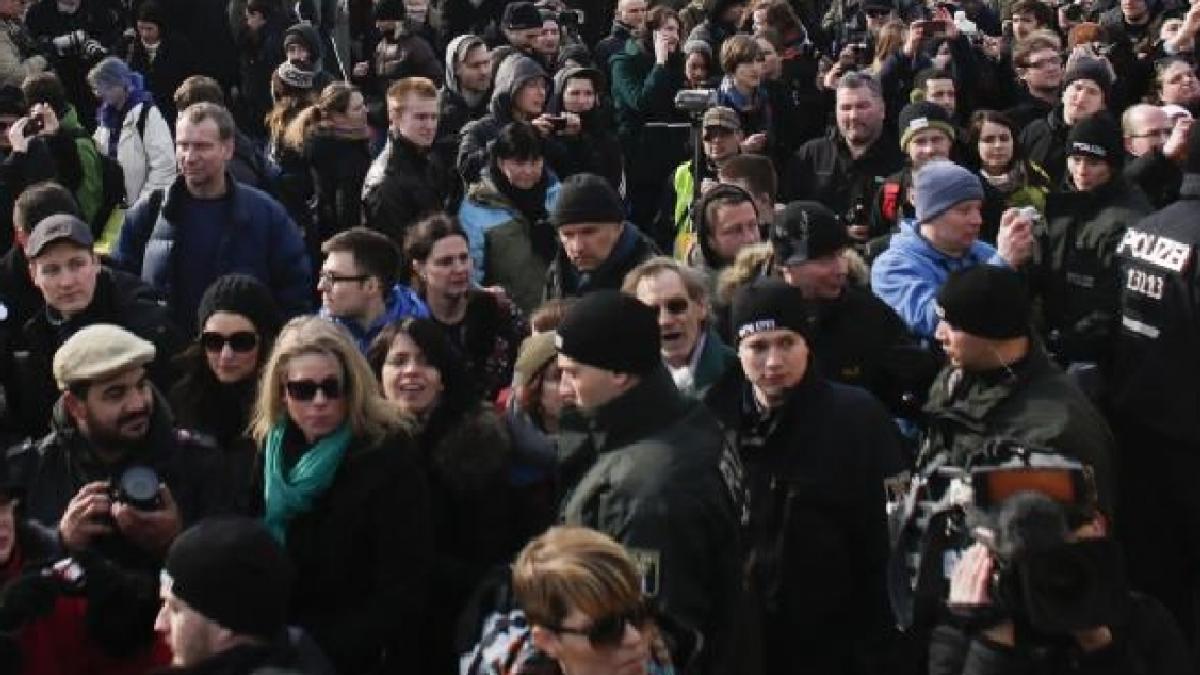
<point x="721" y="117"/>
<point x="99" y="351"/>
<point x="58" y="227"/>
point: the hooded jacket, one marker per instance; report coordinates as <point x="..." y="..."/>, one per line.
<point x="595" y="149"/>
<point x="513" y="73"/>
<point x="401" y="303"/>
<point x="1045" y="144"/>
<point x="454" y="108"/>
<point x="146" y="152"/>
<point x="908" y="275"/>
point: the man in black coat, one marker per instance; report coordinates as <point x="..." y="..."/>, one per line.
<point x="630" y="16"/>
<point x="409" y="179"/>
<point x="650" y="468"/>
<point x="114" y="476"/>
<point x="816" y="456"/>
<point x="78" y="292"/>
<point x="598" y="247"/>
<point x="163" y="57"/>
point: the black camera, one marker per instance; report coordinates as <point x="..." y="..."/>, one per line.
<point x="695" y="101"/>
<point x="34" y="126"/>
<point x="137" y="486"/>
<point x="1068" y="587"/>
<point x="557" y="121"/>
<point x="570" y="17"/>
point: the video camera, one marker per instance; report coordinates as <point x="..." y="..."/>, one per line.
<point x="695" y="101"/>
<point x="943" y="510"/>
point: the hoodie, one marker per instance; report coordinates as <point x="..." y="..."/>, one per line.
<point x="908" y="275"/>
<point x="512" y="74"/>
<point x="456" y="107"/>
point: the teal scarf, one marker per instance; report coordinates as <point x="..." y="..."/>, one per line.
<point x="293" y="494"/>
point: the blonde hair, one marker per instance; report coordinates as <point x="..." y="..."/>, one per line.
<point x="570" y="568"/>
<point x="890" y="41"/>
<point x="334" y="99"/>
<point x="288" y="102"/>
<point x="368" y="414"/>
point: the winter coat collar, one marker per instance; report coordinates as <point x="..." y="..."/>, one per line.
<point x="650" y="406"/>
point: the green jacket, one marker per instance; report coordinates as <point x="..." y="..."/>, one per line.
<point x="715" y="359"/>
<point x="1032" y="401"/>
<point x="643" y="91"/>
<point x="90" y="193"/>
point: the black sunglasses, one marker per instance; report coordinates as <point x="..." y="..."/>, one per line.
<point x="306" y="390"/>
<point x="675" y="306"/>
<point x="241" y="341"/>
<point x="609" y="631"/>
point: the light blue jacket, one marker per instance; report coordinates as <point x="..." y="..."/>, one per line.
<point x="908" y="275"/>
<point x="481" y="211"/>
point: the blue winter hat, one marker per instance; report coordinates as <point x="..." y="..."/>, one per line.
<point x="111" y="72"/>
<point x="941" y="184"/>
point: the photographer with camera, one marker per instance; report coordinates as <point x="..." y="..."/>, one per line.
<point x="76" y="34"/>
<point x="1044" y="591"/>
<point x="582" y="127"/>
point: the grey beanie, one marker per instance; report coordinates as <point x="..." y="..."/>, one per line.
<point x="941" y="184"/>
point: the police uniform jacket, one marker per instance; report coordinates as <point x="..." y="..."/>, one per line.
<point x="1031" y="401"/>
<point x="1076" y="276"/>
<point x="815" y="468"/>
<point x="1157" y="371"/>
<point x="662" y="484"/>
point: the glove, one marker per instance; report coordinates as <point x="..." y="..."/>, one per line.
<point x="94" y="50"/>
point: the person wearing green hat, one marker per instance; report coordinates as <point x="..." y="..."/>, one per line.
<point x="926" y="133"/>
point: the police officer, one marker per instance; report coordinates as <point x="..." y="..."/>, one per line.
<point x="1156" y="397"/>
<point x="655" y="474"/>
<point x="816" y="455"/>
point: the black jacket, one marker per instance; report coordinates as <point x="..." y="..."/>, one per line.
<point x="1148" y="643"/>
<point x="121" y="299"/>
<point x="1028" y="109"/>
<point x="293" y="653"/>
<point x="1076" y="277"/>
<point x="259" y="54"/>
<point x="564" y="281"/>
<point x="822" y="169"/>
<point x="221" y="411"/>
<point x="454" y="113"/>
<point x="819" y="546"/>
<point x="1031" y="401"/>
<point x="660" y="479"/>
<point x="1156" y="378"/>
<point x="415" y="183"/>
<point x="55" y="467"/>
<point x="172" y="64"/>
<point x="363" y="557"/>
<point x="611" y="46"/>
<point x="1157" y="175"/>
<point x="1045" y="144"/>
<point x="339" y="168"/>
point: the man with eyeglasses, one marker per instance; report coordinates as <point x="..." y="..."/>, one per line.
<point x="116" y="479"/>
<point x="652" y="468"/>
<point x="359" y="287"/>
<point x="1039" y="67"/>
<point x="816" y="456"/>
<point x="692" y="349"/>
<point x="78" y="292"/>
<point x="1155" y="148"/>
<point x="1087" y="90"/>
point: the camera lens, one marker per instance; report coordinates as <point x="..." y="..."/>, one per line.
<point x="139" y="485"/>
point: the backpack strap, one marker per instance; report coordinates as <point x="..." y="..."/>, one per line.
<point x="143" y="116"/>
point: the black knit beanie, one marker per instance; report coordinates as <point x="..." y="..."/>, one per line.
<point x="587" y="198"/>
<point x="986" y="301"/>
<point x="611" y="330"/>
<point x="1097" y="136"/>
<point x="769" y="304"/>
<point x="241" y="294"/>
<point x="916" y="117"/>
<point x="232" y="571"/>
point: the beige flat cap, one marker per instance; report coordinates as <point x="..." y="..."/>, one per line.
<point x="97" y="352"/>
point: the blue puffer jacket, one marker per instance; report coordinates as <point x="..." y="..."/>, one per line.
<point x="401" y="304"/>
<point x="258" y="238"/>
<point x="909" y="273"/>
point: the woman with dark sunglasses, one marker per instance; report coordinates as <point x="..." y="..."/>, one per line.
<point x="237" y="322"/>
<point x="582" y="598"/>
<point x="341" y="489"/>
<point x="465" y="454"/>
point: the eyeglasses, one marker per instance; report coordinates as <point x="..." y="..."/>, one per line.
<point x="332" y="278"/>
<point x="1045" y="63"/>
<point x="609" y="631"/>
<point x="675" y="306"/>
<point x="306" y="390"/>
<point x="241" y="341"/>
<point x="1155" y="133"/>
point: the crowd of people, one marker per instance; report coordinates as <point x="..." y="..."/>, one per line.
<point x="613" y="337"/>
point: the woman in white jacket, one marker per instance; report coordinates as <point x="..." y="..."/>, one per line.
<point x="131" y="130"/>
